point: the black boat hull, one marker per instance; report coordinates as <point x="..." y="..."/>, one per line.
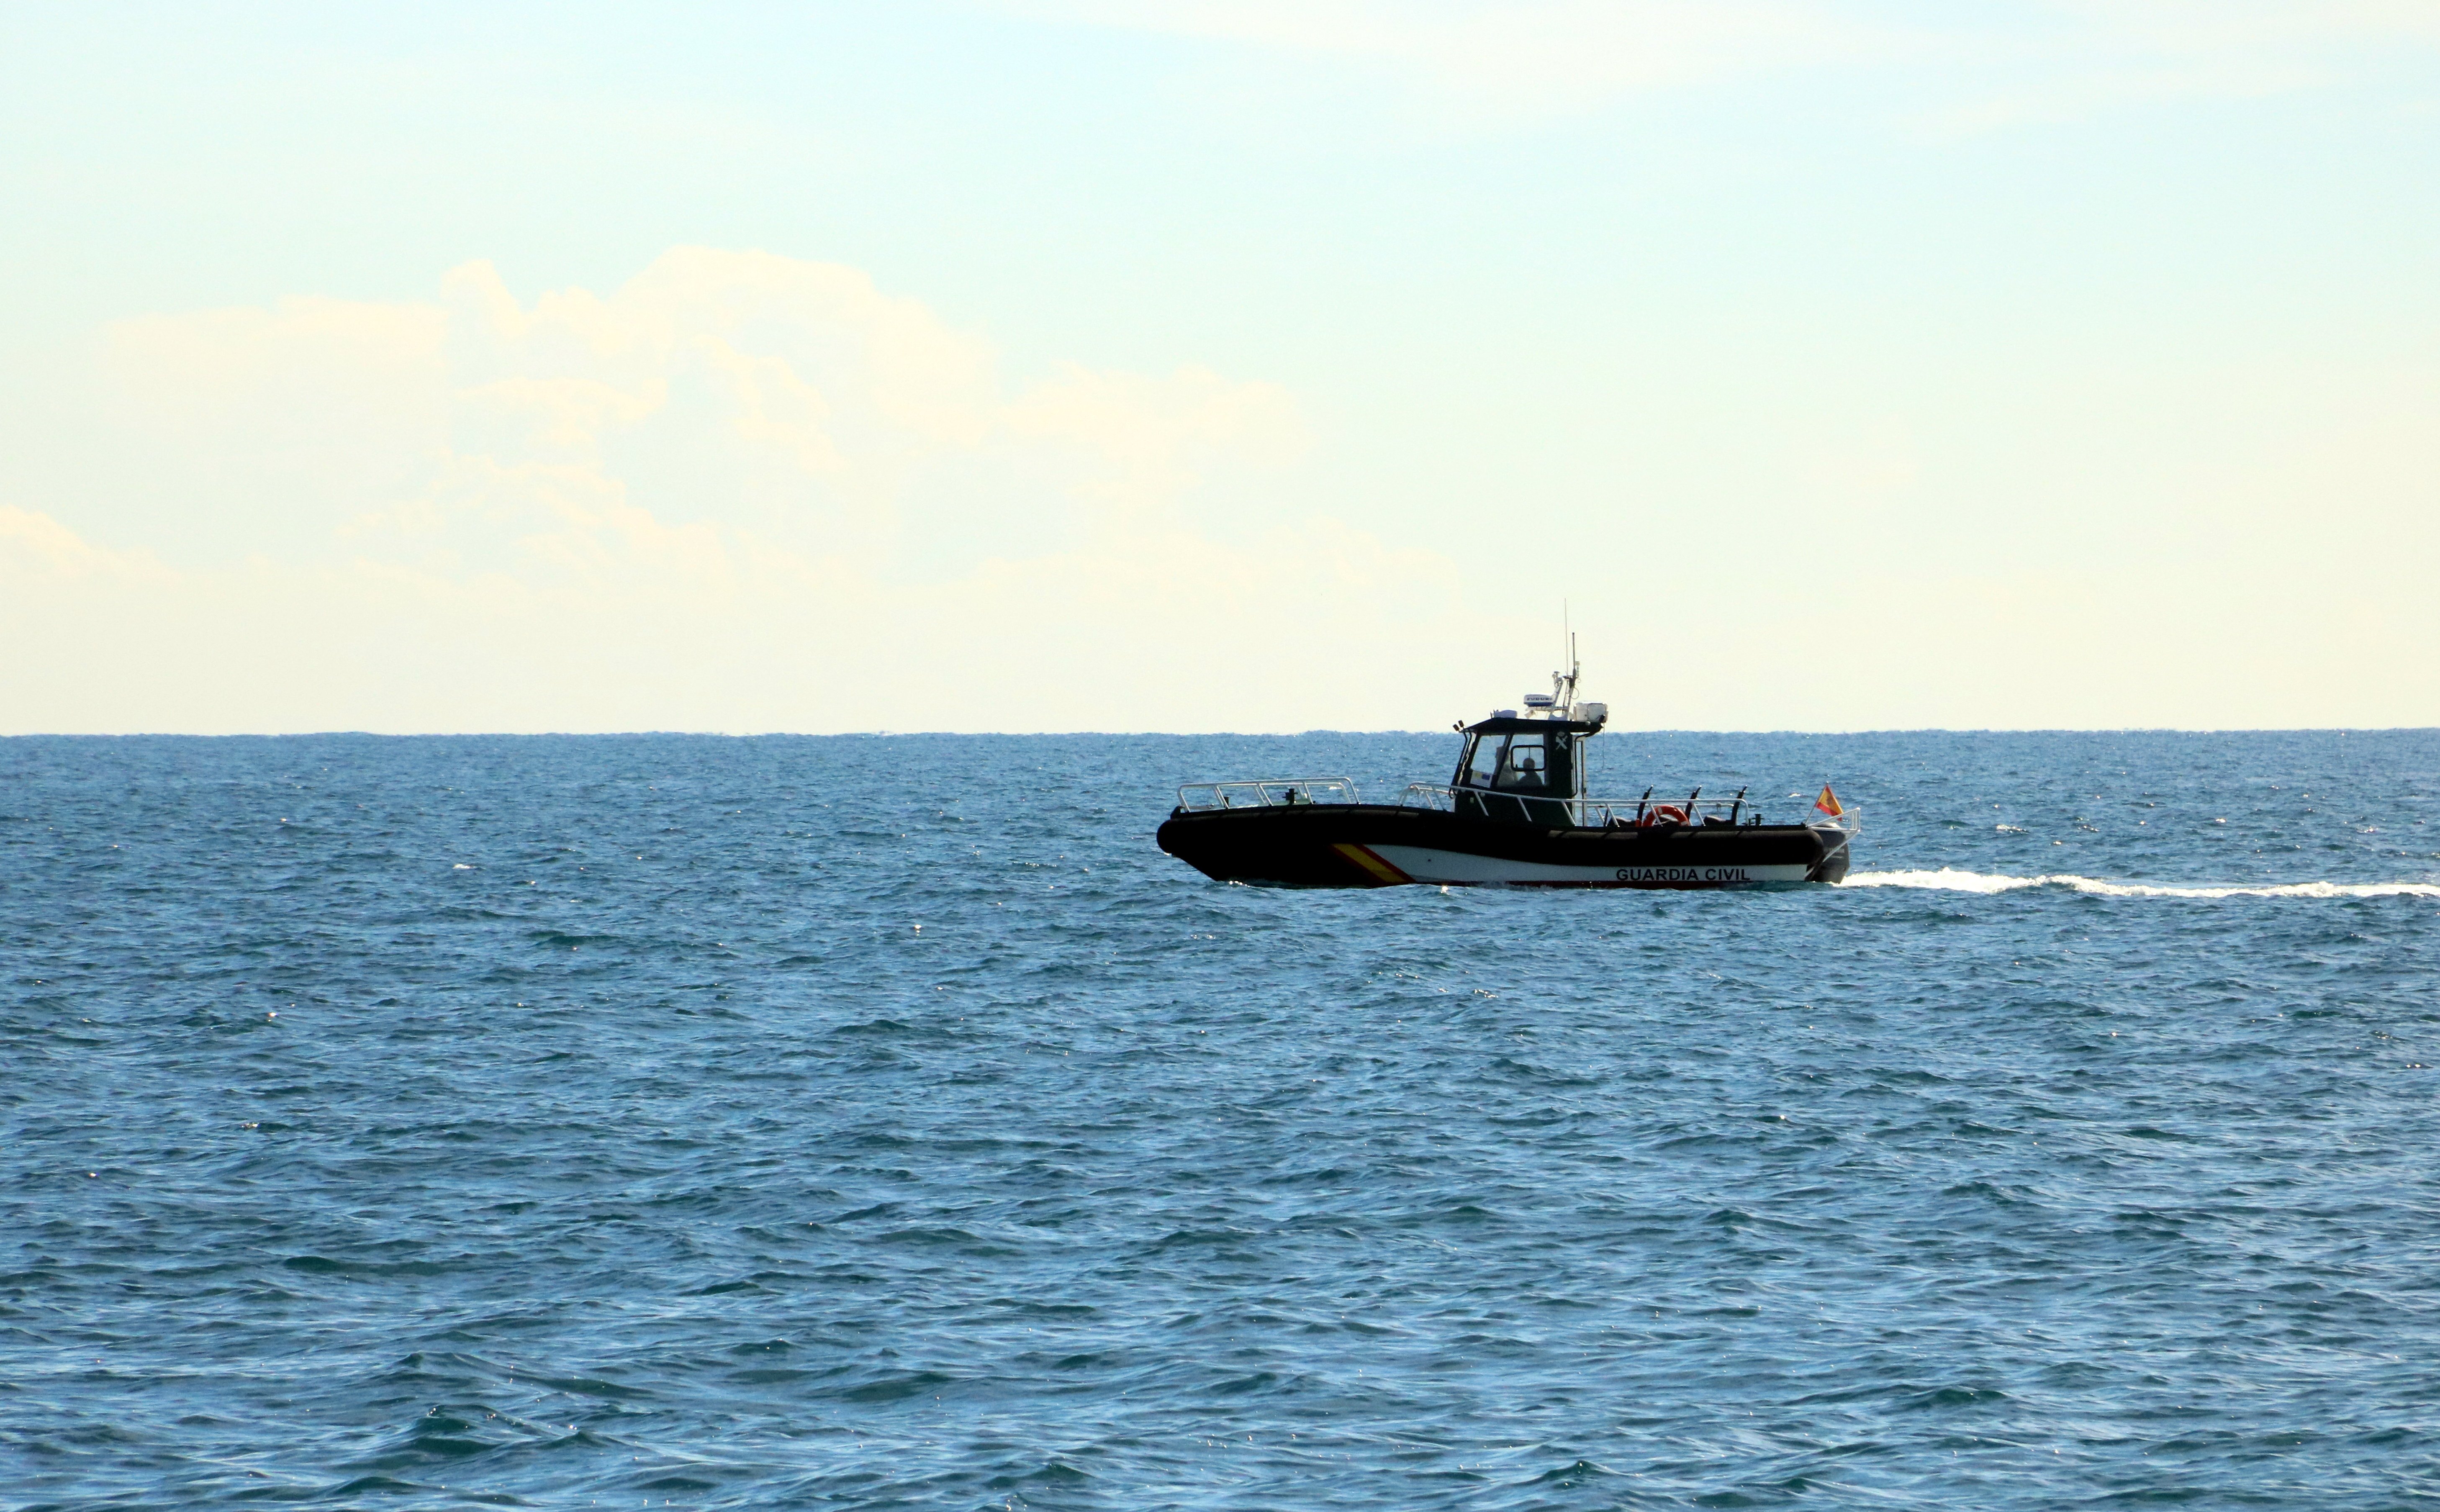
<point x="1367" y="845"/>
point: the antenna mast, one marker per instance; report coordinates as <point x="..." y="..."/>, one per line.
<point x="1564" y="684"/>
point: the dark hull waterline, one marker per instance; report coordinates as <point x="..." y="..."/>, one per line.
<point x="1363" y="845"/>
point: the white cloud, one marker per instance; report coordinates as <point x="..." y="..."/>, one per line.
<point x="1535" y="56"/>
<point x="35" y="545"/>
<point x="2024" y="60"/>
<point x="743" y="493"/>
<point x="2072" y="60"/>
<point x="704" y="501"/>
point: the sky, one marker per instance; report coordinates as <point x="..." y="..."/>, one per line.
<point x="1218" y="364"/>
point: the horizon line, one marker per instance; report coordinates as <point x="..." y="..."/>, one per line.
<point x="1185" y="734"/>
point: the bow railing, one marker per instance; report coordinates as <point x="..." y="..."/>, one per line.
<point x="1285" y="792"/>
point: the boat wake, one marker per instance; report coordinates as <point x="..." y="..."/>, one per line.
<point x="1948" y="880"/>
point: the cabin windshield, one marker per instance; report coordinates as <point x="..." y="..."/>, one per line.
<point x="1481" y="760"/>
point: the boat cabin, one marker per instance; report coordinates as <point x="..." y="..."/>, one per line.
<point x="1534" y="755"/>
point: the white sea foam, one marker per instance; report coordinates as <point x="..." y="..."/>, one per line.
<point x="1948" y="880"/>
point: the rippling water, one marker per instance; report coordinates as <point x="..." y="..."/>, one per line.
<point x="882" y="1121"/>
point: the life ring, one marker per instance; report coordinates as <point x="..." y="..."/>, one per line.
<point x="1663" y="813"/>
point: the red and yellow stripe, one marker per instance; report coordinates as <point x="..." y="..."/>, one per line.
<point x="1371" y="865"/>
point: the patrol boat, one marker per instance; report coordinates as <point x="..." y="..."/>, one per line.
<point x="1514" y="814"/>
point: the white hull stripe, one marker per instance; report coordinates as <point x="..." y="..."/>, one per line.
<point x="1450" y="868"/>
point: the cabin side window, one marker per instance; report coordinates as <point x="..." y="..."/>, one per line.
<point x="1524" y="766"/>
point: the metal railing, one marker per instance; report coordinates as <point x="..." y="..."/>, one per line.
<point x="1525" y="808"/>
<point x="1483" y="802"/>
<point x="1275" y="793"/>
<point x="1580" y="813"/>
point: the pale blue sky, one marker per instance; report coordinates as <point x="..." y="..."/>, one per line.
<point x="2037" y="364"/>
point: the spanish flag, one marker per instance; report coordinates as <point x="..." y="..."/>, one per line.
<point x="1828" y="802"/>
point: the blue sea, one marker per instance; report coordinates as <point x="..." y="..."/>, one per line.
<point x="885" y="1121"/>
